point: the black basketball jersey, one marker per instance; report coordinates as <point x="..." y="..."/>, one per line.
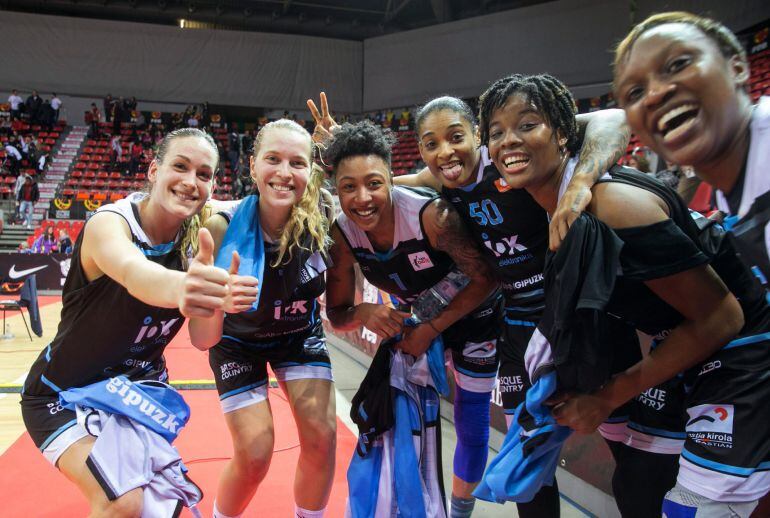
<point x="673" y="246"/>
<point x="104" y="331"/>
<point x="287" y="300"/>
<point x="412" y="265"/>
<point x="511" y="229"/>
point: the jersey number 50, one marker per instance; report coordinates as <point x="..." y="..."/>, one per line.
<point x="486" y="213"/>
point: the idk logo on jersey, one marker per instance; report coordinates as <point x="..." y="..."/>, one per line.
<point x="711" y="425"/>
<point x="420" y="261"/>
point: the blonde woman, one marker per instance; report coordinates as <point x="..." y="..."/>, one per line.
<point x="133" y="280"/>
<point x="285" y="225"/>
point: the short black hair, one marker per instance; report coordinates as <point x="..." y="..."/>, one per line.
<point x="359" y="139"/>
<point x="549" y="95"/>
<point x="446" y="102"/>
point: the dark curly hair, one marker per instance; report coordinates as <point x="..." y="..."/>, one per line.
<point x="548" y="94"/>
<point x="446" y="102"/>
<point x="359" y="139"/>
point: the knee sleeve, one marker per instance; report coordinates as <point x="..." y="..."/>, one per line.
<point x="472" y="427"/>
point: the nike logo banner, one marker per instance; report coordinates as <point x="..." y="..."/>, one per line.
<point x="14" y="268"/>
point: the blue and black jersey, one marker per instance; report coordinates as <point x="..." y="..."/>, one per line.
<point x="287" y="301"/>
<point x="512" y="231"/>
<point x="412" y="265"/>
<point x="105" y="331"/>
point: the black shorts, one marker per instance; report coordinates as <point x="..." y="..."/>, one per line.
<point x="471" y="344"/>
<point x="513" y="379"/>
<point x="726" y="455"/>
<point x="53" y="429"/>
<point x="240" y="368"/>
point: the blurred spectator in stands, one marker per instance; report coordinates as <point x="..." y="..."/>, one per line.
<point x="389" y="116"/>
<point x="379" y="117"/>
<point x="233" y="146"/>
<point x="17" y="188"/>
<point x="5" y="126"/>
<point x="141" y="122"/>
<point x="237" y="186"/>
<point x="28" y="196"/>
<point x="56" y="106"/>
<point x="16" y="102"/>
<point x="117" y="116"/>
<point x="24" y="248"/>
<point x="130" y="104"/>
<point x="247" y="143"/>
<point x="147" y="137"/>
<point x="65" y="242"/>
<point x="193" y="121"/>
<point x="46" y="116"/>
<point x="108" y="102"/>
<point x="46" y="243"/>
<point x="33" y="105"/>
<point x="12" y="156"/>
<point x="116" y="151"/>
<point x="639" y="162"/>
<point x="42" y="161"/>
<point x="136" y="152"/>
<point x="406" y="115"/>
<point x="285" y="114"/>
<point x="205" y="114"/>
<point x="92" y="119"/>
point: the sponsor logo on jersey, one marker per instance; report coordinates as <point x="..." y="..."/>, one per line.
<point x="710" y="366"/>
<point x="506" y="246"/>
<point x="293" y="311"/>
<point x="132" y="397"/>
<point x="158" y="331"/>
<point x="530" y="281"/>
<point x="480" y="350"/>
<point x="711" y="425"/>
<point x="230" y="369"/>
<point x="501" y="185"/>
<point x="420" y="261"/>
<point x="654" y="398"/>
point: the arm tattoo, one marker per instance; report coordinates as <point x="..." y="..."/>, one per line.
<point x="453" y="238"/>
<point x="602" y="148"/>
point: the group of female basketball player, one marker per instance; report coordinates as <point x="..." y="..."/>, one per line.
<point x="695" y="434"/>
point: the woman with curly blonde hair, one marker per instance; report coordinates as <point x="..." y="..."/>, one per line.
<point x="283" y="233"/>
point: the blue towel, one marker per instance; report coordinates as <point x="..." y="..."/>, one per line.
<point x="153" y="404"/>
<point x="527" y="460"/>
<point x="245" y="237"/>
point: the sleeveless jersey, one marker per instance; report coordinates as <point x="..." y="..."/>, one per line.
<point x="672" y="246"/>
<point x="751" y="224"/>
<point x="104" y="330"/>
<point x="287" y="300"/>
<point x="512" y="231"/>
<point x="412" y="265"/>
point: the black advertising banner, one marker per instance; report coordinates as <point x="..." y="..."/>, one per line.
<point x="51" y="270"/>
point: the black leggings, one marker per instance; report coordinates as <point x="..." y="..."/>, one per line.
<point x="641" y="480"/>
<point x="544" y="505"/>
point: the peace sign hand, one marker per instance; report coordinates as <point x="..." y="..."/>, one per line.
<point x="324" y="123"/>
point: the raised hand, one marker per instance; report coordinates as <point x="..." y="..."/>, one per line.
<point x="242" y="289"/>
<point x="324" y="123"/>
<point x="205" y="286"/>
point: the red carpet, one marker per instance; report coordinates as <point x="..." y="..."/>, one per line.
<point x="31" y="487"/>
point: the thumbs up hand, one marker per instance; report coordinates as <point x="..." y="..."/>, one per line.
<point x="242" y="289"/>
<point x="205" y="286"/>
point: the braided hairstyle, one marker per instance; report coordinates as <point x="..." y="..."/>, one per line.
<point x="359" y="139"/>
<point x="549" y="95"/>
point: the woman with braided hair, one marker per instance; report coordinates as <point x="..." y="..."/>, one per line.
<point x="683" y="286"/>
